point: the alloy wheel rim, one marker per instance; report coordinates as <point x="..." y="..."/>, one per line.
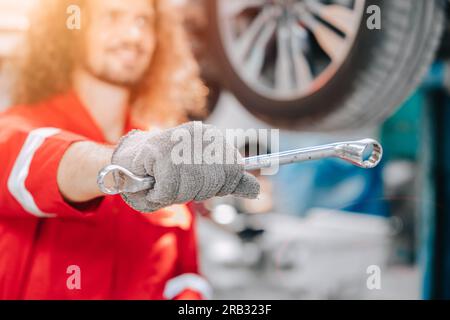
<point x="288" y="49"/>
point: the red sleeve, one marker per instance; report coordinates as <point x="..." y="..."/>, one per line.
<point x="188" y="284"/>
<point x="29" y="162"/>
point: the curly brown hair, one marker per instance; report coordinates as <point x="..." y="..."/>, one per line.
<point x="170" y="93"/>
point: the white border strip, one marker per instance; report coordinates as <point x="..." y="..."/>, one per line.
<point x="19" y="173"/>
<point x="187" y="281"/>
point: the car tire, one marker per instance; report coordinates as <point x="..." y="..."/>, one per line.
<point x="381" y="69"/>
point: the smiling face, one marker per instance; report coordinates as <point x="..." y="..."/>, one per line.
<point x="120" y="40"/>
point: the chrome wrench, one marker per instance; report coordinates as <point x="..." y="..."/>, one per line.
<point x="365" y="154"/>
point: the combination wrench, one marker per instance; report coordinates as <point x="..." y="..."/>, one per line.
<point x="365" y="154"/>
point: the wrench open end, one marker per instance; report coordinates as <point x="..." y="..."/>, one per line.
<point x="365" y="153"/>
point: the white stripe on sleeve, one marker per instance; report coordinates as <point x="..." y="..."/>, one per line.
<point x="187" y="281"/>
<point x="20" y="170"/>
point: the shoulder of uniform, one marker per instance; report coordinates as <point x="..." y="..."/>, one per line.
<point x="30" y="113"/>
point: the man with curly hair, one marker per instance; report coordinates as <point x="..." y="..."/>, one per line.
<point x="80" y="96"/>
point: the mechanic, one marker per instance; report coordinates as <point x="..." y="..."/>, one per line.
<point x="80" y="93"/>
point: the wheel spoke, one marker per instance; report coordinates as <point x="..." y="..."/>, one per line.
<point x="340" y="17"/>
<point x="247" y="40"/>
<point x="302" y="69"/>
<point x="330" y="41"/>
<point x="283" y="76"/>
<point x="254" y="64"/>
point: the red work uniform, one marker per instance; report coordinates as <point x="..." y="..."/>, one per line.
<point x="50" y="249"/>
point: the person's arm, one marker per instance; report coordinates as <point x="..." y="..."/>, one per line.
<point x="47" y="172"/>
<point x="78" y="170"/>
<point x="29" y="165"/>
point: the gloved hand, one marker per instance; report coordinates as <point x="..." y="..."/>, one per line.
<point x="150" y="153"/>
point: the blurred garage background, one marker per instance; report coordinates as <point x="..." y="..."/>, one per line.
<point x="321" y="71"/>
